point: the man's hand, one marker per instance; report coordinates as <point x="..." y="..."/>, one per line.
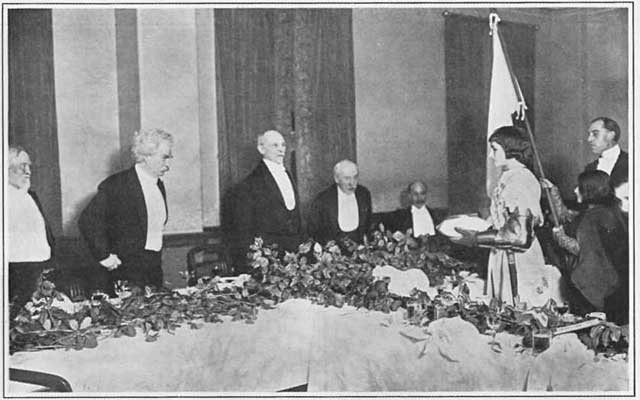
<point x="112" y="262"/>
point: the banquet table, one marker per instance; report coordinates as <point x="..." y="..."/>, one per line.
<point x="328" y="349"/>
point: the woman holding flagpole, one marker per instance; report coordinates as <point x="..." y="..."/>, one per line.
<point x="516" y="271"/>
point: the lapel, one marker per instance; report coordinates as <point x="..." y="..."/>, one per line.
<point x="272" y="186"/>
<point x="621" y="162"/>
<point x="407" y="219"/>
<point x="164" y="197"/>
<point x="47" y="228"/>
<point x="362" y="211"/>
<point x="332" y="206"/>
<point x="137" y="196"/>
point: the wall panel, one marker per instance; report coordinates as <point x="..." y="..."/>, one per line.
<point x="86" y="105"/>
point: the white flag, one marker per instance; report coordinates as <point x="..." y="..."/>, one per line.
<point x="503" y="98"/>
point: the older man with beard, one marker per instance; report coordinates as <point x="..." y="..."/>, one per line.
<point x="29" y="241"/>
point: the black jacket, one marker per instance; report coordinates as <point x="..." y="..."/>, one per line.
<point x="115" y="220"/>
<point x="323" y="216"/>
<point x="620" y="172"/>
<point x="259" y="209"/>
<point x="401" y="220"/>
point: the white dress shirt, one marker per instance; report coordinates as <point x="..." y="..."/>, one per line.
<point x="348" y="218"/>
<point x="156" y="211"/>
<point x="608" y="159"/>
<point x="27" y="234"/>
<point x="422" y="221"/>
<point x="284" y="183"/>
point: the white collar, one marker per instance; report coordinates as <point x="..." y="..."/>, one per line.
<point x="273" y="166"/>
<point x="611" y="154"/>
<point x="145" y="176"/>
<point x="421" y="209"/>
<point x="343" y="194"/>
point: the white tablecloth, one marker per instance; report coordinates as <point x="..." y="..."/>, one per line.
<point x="333" y="350"/>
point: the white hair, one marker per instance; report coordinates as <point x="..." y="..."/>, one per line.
<point x="146" y="142"/>
<point x="341" y="165"/>
<point x="14" y="152"/>
<point x="261" y="137"/>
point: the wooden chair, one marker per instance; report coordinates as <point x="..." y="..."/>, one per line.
<point x="207" y="261"/>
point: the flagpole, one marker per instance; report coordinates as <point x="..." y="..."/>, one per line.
<point x="536" y="156"/>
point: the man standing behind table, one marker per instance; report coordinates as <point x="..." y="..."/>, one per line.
<point x="343" y="209"/>
<point x="265" y="204"/>
<point x="29" y="238"/>
<point x="123" y="224"/>
<point x="417" y="217"/>
<point x="603" y="137"/>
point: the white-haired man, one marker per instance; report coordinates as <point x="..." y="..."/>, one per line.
<point x="124" y="222"/>
<point x="29" y="241"/>
<point x="343" y="209"/>
<point x="265" y="203"/>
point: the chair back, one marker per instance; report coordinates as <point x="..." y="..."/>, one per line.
<point x="206" y="261"/>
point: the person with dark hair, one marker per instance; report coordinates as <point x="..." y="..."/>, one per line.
<point x="597" y="243"/>
<point x="603" y="137"/>
<point x="30" y="242"/>
<point x="418" y="216"/>
<point x="516" y="264"/>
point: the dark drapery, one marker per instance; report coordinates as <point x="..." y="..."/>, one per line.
<point x="284" y="69"/>
<point x="468" y="57"/>
<point x="32" y="108"/>
<point x="324" y="97"/>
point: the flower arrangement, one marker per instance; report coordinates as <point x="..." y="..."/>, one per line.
<point x="336" y="274"/>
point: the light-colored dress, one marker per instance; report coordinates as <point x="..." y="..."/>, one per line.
<point x="518" y="191"/>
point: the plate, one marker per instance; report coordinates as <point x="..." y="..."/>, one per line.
<point x="468" y="222"/>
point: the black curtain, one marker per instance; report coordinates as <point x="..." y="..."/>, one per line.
<point x="468" y="57"/>
<point x="32" y="107"/>
<point x="290" y="70"/>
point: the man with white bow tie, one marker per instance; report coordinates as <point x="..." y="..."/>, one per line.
<point x="417" y="217"/>
<point x="603" y="136"/>
<point x="265" y="203"/>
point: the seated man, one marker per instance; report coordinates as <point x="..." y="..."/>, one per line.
<point x="417" y="217"/>
<point x="343" y="209"/>
<point x="29" y="239"/>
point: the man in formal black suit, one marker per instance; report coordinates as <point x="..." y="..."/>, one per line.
<point x="603" y="137"/>
<point x="30" y="242"/>
<point x="343" y="209"/>
<point x="265" y="204"/>
<point x="124" y="222"/>
<point x="417" y="217"/>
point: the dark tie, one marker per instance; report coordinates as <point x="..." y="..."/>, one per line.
<point x="164" y="197"/>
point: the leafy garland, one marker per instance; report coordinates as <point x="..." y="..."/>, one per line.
<point x="333" y="275"/>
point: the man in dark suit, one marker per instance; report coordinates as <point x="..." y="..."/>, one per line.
<point x="343" y="209"/>
<point x="265" y="204"/>
<point x="417" y="217"/>
<point x="30" y="241"/>
<point x="124" y="222"/>
<point x="604" y="134"/>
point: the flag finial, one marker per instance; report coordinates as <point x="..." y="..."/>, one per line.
<point x="493" y="22"/>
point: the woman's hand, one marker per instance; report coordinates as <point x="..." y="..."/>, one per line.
<point x="547" y="184"/>
<point x="468" y="238"/>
